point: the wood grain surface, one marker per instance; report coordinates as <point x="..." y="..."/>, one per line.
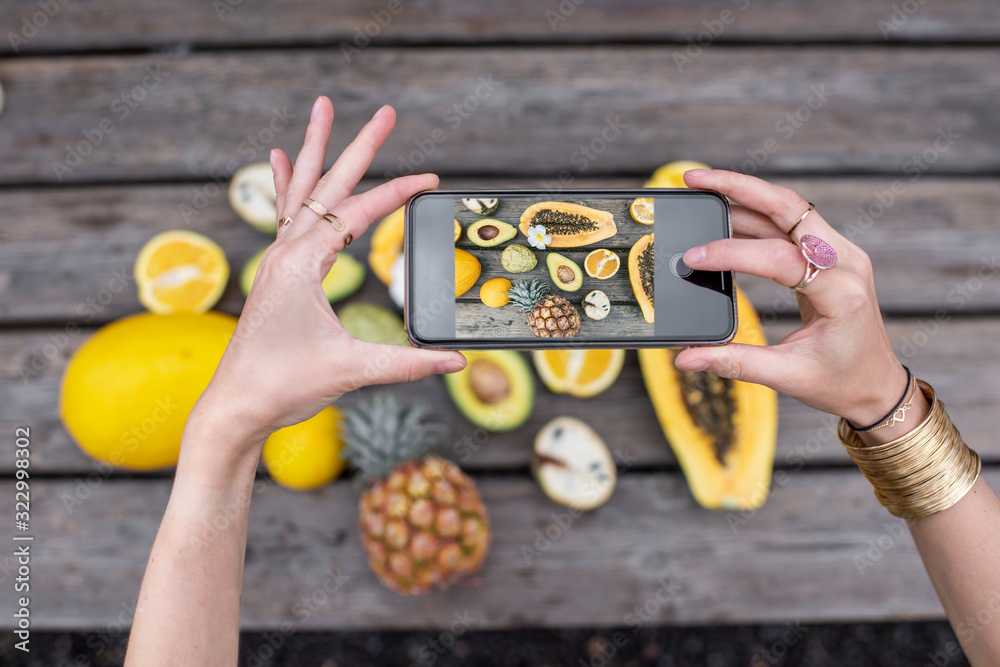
<point x="64" y="253"/>
<point x="821" y="536"/>
<point x="547" y="112"/>
<point x="958" y="357"/>
<point x="118" y="24"/>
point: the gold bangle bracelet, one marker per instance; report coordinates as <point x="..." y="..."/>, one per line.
<point x="921" y="473"/>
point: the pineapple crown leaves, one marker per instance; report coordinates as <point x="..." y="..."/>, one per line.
<point x="525" y="294"/>
<point x="382" y="432"/>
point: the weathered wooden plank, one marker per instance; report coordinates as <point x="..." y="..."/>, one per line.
<point x="821" y="536"/>
<point x="959" y="357"/>
<point x="501" y="110"/>
<point x="106" y="24"/>
<point x="476" y="320"/>
<point x="64" y="250"/>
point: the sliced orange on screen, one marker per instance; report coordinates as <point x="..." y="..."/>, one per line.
<point x="458" y="231"/>
<point x="180" y="271"/>
<point x="641" y="210"/>
<point x="580" y="373"/>
<point x="602" y="263"/>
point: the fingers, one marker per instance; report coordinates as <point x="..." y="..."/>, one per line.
<point x="775" y="259"/>
<point x="281" y="167"/>
<point x="748" y="223"/>
<point x="768" y="366"/>
<point x="387" y="364"/>
<point x="309" y="163"/>
<point x="343" y="177"/>
<point x="780" y="204"/>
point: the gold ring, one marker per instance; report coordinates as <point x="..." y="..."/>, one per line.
<point x="799" y="221"/>
<point x="286" y="220"/>
<point x="315" y="206"/>
<point x="334" y="220"/>
<point x="348" y="239"/>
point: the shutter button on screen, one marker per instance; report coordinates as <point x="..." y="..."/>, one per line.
<point x="678" y="267"/>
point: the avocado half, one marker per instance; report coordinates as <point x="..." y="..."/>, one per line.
<point x="495" y="391"/>
<point x="344" y="279"/>
<point x="488" y="232"/>
<point x="565" y="273"/>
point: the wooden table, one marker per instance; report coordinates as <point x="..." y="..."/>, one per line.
<point x="123" y="120"/>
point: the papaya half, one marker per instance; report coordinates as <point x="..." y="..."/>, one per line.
<point x="640" y="274"/>
<point x="570" y="225"/>
<point x="723" y="432"/>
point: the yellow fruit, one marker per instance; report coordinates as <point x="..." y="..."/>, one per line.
<point x="128" y="390"/>
<point x="307" y="455"/>
<point x="602" y="264"/>
<point x="387" y="245"/>
<point x="180" y="272"/>
<point x="458" y="231"/>
<point x="580" y="373"/>
<point x="671" y="175"/>
<point x="641" y="210"/>
<point x="467" y="270"/>
<point x="494" y="292"/>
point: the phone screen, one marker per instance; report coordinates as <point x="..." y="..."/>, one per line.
<point x="588" y="268"/>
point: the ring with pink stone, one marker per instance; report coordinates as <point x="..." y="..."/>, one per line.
<point x="819" y="256"/>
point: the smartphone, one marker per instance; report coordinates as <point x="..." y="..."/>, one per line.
<point x="582" y="269"/>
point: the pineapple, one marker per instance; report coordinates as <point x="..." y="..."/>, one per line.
<point x="548" y="315"/>
<point x="422" y="522"/>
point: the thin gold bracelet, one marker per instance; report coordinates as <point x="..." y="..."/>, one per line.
<point x="922" y="472"/>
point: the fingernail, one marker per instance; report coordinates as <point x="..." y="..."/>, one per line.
<point x="380" y="111"/>
<point x="315" y="110"/>
<point x="695" y="255"/>
<point x="697" y="173"/>
<point x="450" y="366"/>
<point x="273" y="158"/>
<point x="697" y="365"/>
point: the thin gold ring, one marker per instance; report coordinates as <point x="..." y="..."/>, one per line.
<point x="334" y="220"/>
<point x="286" y="220"/>
<point x="315" y="206"/>
<point x="799" y="221"/>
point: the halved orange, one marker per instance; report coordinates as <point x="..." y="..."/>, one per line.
<point x="641" y="210"/>
<point x="580" y="373"/>
<point x="180" y="271"/>
<point x="458" y="231"/>
<point x="602" y="263"/>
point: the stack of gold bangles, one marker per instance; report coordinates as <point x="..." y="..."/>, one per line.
<point x="921" y="473"/>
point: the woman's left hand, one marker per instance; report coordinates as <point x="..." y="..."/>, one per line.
<point x="290" y="356"/>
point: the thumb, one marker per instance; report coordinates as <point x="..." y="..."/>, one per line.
<point x="387" y="364"/>
<point x="738" y="361"/>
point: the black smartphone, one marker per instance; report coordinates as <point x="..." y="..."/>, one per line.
<point x="585" y="268"/>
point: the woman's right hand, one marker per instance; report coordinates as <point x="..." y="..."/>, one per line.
<point x="841" y="360"/>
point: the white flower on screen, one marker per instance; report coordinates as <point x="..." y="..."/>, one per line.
<point x="538" y="238"/>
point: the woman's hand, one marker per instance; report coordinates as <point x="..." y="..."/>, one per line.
<point x="290" y="357"/>
<point x="841" y="360"/>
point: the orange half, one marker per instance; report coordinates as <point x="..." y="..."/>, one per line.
<point x="580" y="373"/>
<point x="180" y="271"/>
